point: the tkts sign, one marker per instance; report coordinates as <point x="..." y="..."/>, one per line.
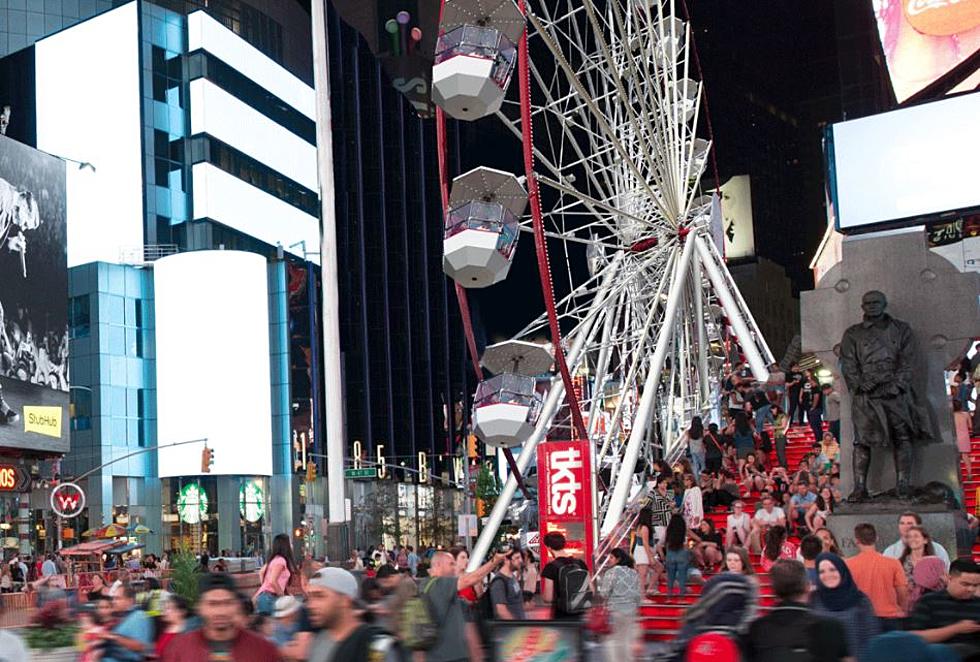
<point x="565" y="494"/>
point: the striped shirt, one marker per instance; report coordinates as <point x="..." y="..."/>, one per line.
<point x="939" y="609"/>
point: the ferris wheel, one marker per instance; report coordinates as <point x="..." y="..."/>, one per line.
<point x="602" y="98"/>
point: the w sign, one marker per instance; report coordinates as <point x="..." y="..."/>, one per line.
<point x="67" y="500"/>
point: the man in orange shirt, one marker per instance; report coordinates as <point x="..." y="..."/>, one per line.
<point x="881" y="578"/>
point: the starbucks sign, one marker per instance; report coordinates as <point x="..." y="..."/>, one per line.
<point x="192" y="504"/>
<point x="251" y="501"/>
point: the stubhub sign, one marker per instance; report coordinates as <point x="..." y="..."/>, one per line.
<point x="565" y="494"/>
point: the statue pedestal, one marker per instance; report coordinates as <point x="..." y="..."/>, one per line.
<point x="883" y="514"/>
<point x="937" y="301"/>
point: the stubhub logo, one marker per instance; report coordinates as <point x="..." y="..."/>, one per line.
<point x="565" y="485"/>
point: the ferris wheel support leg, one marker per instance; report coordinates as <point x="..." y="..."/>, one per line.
<point x="703" y="380"/>
<point x="733" y="311"/>
<point x="624" y="477"/>
<point x="760" y="339"/>
<point x="528" y="451"/>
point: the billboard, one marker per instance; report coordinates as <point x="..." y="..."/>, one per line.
<point x="905" y="166"/>
<point x="924" y="39"/>
<point x="565" y="495"/>
<point x="81" y="116"/>
<point x="736" y="211"/>
<point x="958" y="241"/>
<point x="33" y="300"/>
<point x="213" y="363"/>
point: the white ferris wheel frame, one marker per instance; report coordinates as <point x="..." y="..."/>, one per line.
<point x="616" y="115"/>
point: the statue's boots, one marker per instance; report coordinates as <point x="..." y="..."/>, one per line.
<point x="862" y="460"/>
<point x="903" y="468"/>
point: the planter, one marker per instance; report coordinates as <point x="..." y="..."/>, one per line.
<point x="68" y="654"/>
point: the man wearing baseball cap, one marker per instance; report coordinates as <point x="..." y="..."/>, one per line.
<point x="222" y="635"/>
<point x="331" y="598"/>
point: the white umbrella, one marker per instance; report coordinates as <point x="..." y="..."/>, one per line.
<point x="489" y="185"/>
<point x="501" y="15"/>
<point x="519" y="357"/>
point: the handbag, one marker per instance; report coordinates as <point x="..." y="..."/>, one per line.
<point x="597" y="621"/>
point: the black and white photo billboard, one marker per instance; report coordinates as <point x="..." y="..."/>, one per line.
<point x="33" y="300"/>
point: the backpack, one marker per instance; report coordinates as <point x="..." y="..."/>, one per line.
<point x="419" y="629"/>
<point x="485" y="609"/>
<point x="786" y="644"/>
<point x="574" y="592"/>
<point x="366" y="643"/>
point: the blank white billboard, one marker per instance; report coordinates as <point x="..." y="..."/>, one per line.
<point x="907" y="164"/>
<point x="88" y="109"/>
<point x="212" y="362"/>
<point x="217" y="113"/>
<point x="205" y="33"/>
<point x="233" y="202"/>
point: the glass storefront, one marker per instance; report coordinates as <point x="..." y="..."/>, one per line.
<point x="193" y="509"/>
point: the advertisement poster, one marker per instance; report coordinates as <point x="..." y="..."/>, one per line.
<point x="565" y="495"/>
<point x="536" y="641"/>
<point x="736" y="210"/>
<point x="925" y="39"/>
<point x="33" y="300"/>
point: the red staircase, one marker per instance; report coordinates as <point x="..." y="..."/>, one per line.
<point x="661" y="616"/>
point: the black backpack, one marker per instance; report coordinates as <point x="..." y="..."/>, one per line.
<point x="574" y="593"/>
<point x="365" y="644"/>
<point x="786" y="644"/>
<point x="485" y="608"/>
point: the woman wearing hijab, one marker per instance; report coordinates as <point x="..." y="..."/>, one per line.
<point x="928" y="575"/>
<point x="838" y="597"/>
<point x="727" y="606"/>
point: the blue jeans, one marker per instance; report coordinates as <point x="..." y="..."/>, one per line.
<point x="678" y="561"/>
<point x="763" y="414"/>
<point x="697" y="465"/>
<point x="265" y="603"/>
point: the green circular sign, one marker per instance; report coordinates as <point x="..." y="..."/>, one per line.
<point x="192" y="503"/>
<point x="251" y="501"/>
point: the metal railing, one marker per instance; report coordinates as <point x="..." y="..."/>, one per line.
<point x="147" y="253"/>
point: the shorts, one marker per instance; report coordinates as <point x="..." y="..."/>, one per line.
<point x="743" y="452"/>
<point x="640" y="556"/>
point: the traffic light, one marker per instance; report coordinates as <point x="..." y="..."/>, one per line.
<point x="207" y="460"/>
<point x="481" y="507"/>
<point x="310" y="471"/>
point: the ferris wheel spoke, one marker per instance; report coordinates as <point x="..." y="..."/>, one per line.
<point x="597" y="115"/>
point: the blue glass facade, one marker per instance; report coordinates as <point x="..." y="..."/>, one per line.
<point x="22" y="22"/>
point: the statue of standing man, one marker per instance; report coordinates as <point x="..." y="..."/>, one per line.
<point x="876" y="359"/>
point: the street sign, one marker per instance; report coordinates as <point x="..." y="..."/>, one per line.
<point x="67" y="500"/>
<point x="361" y="473"/>
<point x="14" y="479"/>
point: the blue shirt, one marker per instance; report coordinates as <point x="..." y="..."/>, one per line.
<point x="135" y="625"/>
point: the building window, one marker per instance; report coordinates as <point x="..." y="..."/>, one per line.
<point x="79" y="317"/>
<point x="81" y="409"/>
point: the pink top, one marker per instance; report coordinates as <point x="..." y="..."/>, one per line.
<point x="279" y="588"/>
<point x="962" y="419"/>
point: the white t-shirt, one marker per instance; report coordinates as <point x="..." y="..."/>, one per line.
<point x="768" y="519"/>
<point x="895" y="550"/>
<point x="741" y="522"/>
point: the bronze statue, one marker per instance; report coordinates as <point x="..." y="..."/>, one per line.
<point x="876" y="359"/>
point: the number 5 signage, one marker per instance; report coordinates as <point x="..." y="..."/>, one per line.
<point x="67" y="500"/>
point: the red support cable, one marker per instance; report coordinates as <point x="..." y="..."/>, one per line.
<point x="464" y="306"/>
<point x="704" y="91"/>
<point x="544" y="268"/>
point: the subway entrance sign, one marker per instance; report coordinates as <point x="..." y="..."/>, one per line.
<point x="361" y="473"/>
<point x="14" y="479"/>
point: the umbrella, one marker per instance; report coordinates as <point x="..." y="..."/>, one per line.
<point x="141" y="530"/>
<point x="519" y="357"/>
<point x="489" y="185"/>
<point x="501" y="15"/>
<point x="88" y="533"/>
<point x="112" y="531"/>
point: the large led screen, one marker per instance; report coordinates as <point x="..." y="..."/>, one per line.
<point x="906" y="165"/>
<point x="33" y="300"/>
<point x="213" y="364"/>
<point x="924" y="39"/>
<point x="88" y="110"/>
